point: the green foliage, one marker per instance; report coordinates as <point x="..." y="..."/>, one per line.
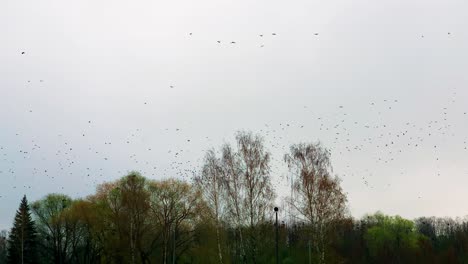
<point x="225" y="217"/>
<point x="391" y="237"/>
<point x="132" y="220"/>
<point x="53" y="228"/>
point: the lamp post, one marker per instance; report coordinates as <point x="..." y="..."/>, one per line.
<point x="276" y="240"/>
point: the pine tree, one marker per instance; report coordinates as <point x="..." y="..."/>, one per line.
<point x="22" y="244"/>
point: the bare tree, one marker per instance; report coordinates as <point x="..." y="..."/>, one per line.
<point x="316" y="195"/>
<point x="247" y="183"/>
<point x="210" y="182"/>
<point x="232" y="184"/>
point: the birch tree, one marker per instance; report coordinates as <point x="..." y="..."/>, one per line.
<point x="316" y="195"/>
<point x="246" y="178"/>
<point x="211" y="185"/>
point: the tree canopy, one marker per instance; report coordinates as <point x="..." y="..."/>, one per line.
<point x="225" y="215"/>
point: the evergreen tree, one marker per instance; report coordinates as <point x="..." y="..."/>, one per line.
<point x="3" y="246"/>
<point x="22" y="244"/>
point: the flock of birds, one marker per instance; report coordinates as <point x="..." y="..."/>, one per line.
<point x="346" y="135"/>
<point x="259" y="35"/>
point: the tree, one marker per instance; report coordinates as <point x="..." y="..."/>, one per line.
<point x="22" y="244"/>
<point x="85" y="247"/>
<point x="176" y="207"/>
<point x="246" y="179"/>
<point x="54" y="228"/>
<point x="211" y="185"/>
<point x="135" y="203"/>
<point x="316" y="195"/>
<point x="3" y="246"/>
<point x="232" y="183"/>
<point x="123" y="224"/>
<point x="391" y="239"/>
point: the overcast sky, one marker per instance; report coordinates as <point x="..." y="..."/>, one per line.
<point x="383" y="84"/>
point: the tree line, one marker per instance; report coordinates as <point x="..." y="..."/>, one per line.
<point x="225" y="215"/>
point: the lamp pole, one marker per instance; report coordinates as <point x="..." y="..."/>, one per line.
<point x="276" y="240"/>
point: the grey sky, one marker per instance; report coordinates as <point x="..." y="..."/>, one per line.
<point x="101" y="61"/>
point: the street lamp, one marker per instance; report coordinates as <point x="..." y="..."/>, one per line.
<point x="276" y="242"/>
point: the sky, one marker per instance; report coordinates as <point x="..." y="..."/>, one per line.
<point x="90" y="90"/>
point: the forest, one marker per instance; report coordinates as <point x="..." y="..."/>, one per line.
<point x="224" y="214"/>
